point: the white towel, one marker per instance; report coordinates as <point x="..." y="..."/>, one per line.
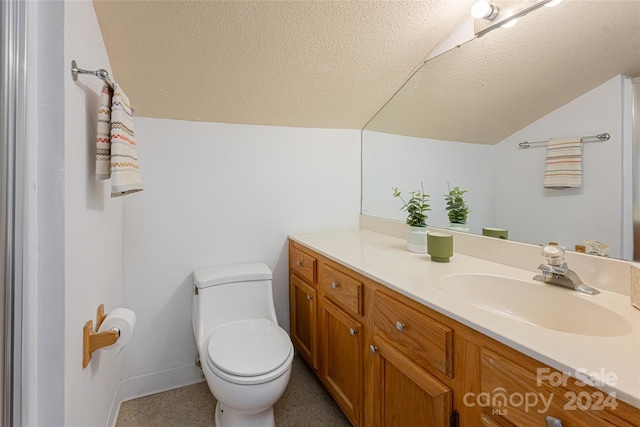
<point x="125" y="171"/>
<point x="103" y="140"/>
<point x="563" y="167"/>
<point x="116" y="156"/>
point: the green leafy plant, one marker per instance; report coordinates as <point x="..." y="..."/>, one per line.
<point x="457" y="207"/>
<point x="416" y="206"/>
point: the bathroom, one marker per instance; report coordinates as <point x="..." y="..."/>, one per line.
<point x="217" y="191"/>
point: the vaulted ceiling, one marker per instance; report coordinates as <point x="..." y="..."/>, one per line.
<point x="334" y="64"/>
<point x="325" y="64"/>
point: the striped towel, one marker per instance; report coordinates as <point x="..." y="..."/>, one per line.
<point x="125" y="171"/>
<point x="116" y="156"/>
<point x="563" y="168"/>
<point x="103" y="140"/>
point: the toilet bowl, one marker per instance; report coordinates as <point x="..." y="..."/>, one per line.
<point x="245" y="356"/>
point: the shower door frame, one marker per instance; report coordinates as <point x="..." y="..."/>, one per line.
<point x="13" y="131"/>
<point x="636" y="167"/>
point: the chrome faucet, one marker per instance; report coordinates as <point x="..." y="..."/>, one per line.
<point x="556" y="272"/>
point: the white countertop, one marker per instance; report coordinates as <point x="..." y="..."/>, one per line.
<point x="385" y="259"/>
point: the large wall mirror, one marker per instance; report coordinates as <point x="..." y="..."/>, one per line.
<point x="560" y="72"/>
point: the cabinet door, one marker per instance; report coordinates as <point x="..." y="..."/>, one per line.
<point x="520" y="392"/>
<point x="405" y="394"/>
<point x="303" y="320"/>
<point x="342" y="359"/>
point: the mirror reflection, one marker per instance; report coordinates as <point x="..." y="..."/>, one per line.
<point x="562" y="72"/>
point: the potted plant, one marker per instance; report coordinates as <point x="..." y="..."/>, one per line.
<point x="416" y="207"/>
<point x="457" y="209"/>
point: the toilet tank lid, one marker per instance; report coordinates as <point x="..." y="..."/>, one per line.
<point x="211" y="276"/>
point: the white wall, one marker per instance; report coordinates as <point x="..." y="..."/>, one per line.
<point x="213" y="194"/>
<point x="43" y="317"/>
<point x="404" y="162"/>
<point x="537" y="215"/>
<point x="93" y="227"/>
<point x="218" y="194"/>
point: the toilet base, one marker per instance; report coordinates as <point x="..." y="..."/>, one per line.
<point x="227" y="417"/>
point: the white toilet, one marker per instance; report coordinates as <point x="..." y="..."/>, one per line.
<point x="246" y="357"/>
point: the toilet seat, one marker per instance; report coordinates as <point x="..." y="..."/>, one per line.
<point x="249" y="351"/>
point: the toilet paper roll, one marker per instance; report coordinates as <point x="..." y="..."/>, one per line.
<point x="125" y="321"/>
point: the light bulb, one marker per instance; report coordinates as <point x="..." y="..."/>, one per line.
<point x="484" y="9"/>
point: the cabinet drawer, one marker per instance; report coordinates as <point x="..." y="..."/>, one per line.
<point x="524" y="393"/>
<point x="343" y="290"/>
<point x="303" y="264"/>
<point x="427" y="342"/>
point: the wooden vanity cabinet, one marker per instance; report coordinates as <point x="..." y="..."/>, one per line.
<point x="428" y="343"/>
<point x="341" y="368"/>
<point x="342" y="337"/>
<point x="303" y="304"/>
<point x="304" y="331"/>
<point x="404" y="394"/>
<point x="391" y="361"/>
<point x="524" y="392"/>
<point x="406" y="346"/>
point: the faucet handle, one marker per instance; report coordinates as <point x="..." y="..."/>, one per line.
<point x="548" y="269"/>
<point x="554" y="254"/>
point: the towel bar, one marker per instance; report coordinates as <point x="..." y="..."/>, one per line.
<point x="100" y="73"/>
<point x="601" y="137"/>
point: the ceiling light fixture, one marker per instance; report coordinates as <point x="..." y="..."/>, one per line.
<point x="484" y="10"/>
<point x="503" y="13"/>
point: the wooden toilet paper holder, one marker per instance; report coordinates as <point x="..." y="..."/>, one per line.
<point x="93" y="340"/>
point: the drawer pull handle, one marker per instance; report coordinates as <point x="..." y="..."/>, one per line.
<point x="352" y="332"/>
<point x="400" y="326"/>
<point x="373" y="348"/>
<point x="334" y="285"/>
<point x="553" y="421"/>
<point x="309" y="297"/>
<point x="299" y="263"/>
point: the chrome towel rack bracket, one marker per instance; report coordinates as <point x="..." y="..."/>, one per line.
<point x="100" y="73"/>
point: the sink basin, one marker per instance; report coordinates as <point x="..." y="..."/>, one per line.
<point x="536" y="303"/>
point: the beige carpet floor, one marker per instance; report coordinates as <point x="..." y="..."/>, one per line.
<point x="304" y="403"/>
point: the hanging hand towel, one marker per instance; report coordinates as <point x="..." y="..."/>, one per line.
<point x="103" y="140"/>
<point x="563" y="168"/>
<point x="125" y="171"/>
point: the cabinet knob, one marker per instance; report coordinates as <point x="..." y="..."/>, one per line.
<point x="400" y="326"/>
<point x="309" y="297"/>
<point x="373" y="348"/>
<point x="334" y="285"/>
<point x="299" y="263"/>
<point x="352" y="332"/>
<point x="553" y="421"/>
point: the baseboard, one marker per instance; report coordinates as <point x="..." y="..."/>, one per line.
<point x="145" y="385"/>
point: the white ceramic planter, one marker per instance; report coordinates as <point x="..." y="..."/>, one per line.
<point x="417" y="240"/>
<point x="458" y="227"/>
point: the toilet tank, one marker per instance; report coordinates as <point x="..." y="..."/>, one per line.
<point x="230" y="293"/>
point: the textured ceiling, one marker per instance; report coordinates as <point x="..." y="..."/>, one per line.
<point x="319" y="64"/>
<point x="492" y="87"/>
